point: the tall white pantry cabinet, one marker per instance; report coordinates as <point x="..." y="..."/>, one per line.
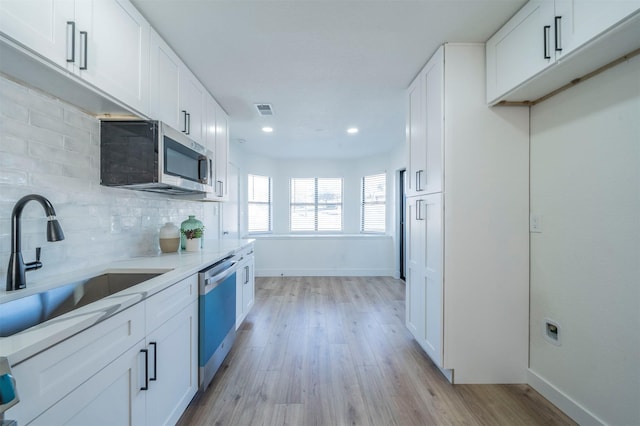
<point x="467" y="296"/>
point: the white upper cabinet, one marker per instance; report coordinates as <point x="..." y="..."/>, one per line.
<point x="113" y="43"/>
<point x="164" y="82"/>
<point x="216" y="129"/>
<point x="44" y="26"/>
<point x="103" y="42"/>
<point x="222" y="153"/>
<point x="583" y="20"/>
<point x="549" y="44"/>
<point x="521" y="49"/>
<point x="192" y="104"/>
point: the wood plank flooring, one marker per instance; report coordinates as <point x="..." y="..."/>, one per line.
<point x="335" y="351"/>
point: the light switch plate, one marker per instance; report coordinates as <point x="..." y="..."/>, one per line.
<point x="535" y="223"/>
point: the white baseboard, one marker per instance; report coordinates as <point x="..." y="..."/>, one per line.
<point x="564" y="402"/>
<point x="324" y="272"/>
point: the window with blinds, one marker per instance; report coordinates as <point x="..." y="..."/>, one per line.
<point x="259" y="204"/>
<point x="316" y="204"/>
<point x="372" y="218"/>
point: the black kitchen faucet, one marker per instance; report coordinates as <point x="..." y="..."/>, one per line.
<point x="17" y="269"/>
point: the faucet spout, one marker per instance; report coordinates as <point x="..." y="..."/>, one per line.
<point x="16" y="272"/>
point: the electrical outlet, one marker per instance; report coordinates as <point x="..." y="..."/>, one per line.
<point x="535" y="223"/>
<point x="551" y="332"/>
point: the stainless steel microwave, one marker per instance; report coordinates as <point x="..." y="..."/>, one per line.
<point x="150" y="156"/>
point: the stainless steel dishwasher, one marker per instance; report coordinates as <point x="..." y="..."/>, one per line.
<point x="216" y="316"/>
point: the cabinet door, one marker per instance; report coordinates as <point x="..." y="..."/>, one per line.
<point x="41" y="25"/>
<point x="192" y="95"/>
<point x="433" y="266"/>
<point x="240" y="278"/>
<point x="210" y="110"/>
<point x="248" y="285"/>
<point x="222" y="153"/>
<point x="114" y="52"/>
<point x="111" y="397"/>
<point x="415" y="279"/>
<point x="173" y="367"/>
<point x="583" y="20"/>
<point x="434" y="116"/>
<point x="416" y="137"/>
<point x="164" y="82"/>
<point x="520" y="49"/>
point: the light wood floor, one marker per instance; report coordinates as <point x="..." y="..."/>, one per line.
<point x="335" y="351"/>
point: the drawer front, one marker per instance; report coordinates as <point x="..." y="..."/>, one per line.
<point x="49" y="376"/>
<point x="246" y="251"/>
<point x="164" y="305"/>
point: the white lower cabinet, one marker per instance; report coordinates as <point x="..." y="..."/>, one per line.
<point x="139" y="367"/>
<point x="172" y="367"/>
<point x="245" y="285"/>
<point x="111" y="397"/>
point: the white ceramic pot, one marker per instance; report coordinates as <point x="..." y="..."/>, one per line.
<point x="169" y="238"/>
<point x="192" y="244"/>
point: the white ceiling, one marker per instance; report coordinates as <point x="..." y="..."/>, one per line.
<point x="324" y="65"/>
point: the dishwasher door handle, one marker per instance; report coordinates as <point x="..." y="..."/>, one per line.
<point x="213" y="282"/>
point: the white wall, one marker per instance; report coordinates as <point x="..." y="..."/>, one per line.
<point x="347" y="254"/>
<point x="585" y="265"/>
<point x="51" y="148"/>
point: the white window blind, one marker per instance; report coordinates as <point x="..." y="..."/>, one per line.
<point x="316" y="204"/>
<point x="259" y="204"/>
<point x="372" y="217"/>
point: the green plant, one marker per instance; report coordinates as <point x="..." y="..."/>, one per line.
<point x="190" y="234"/>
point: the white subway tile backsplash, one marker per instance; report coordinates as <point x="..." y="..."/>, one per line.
<point x="57" y="154"/>
<point x="79" y="120"/>
<point x="14" y="177"/>
<point x="14" y="112"/>
<point x="12" y="144"/>
<point x="55" y="124"/>
<point x="26" y="132"/>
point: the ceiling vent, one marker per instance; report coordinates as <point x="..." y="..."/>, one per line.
<point x="264" y="109"/>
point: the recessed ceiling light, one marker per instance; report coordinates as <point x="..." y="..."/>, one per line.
<point x="352" y="130"/>
<point x="267" y="129"/>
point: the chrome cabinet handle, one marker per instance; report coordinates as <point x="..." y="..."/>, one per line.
<point x="419" y="180"/>
<point x="84" y="41"/>
<point x="71" y="41"/>
<point x="188" y="125"/>
<point x="545" y="34"/>
<point x="558" y="35"/>
<point x="419" y="205"/>
<point x="220" y="188"/>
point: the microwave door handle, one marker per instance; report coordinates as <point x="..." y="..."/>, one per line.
<point x="203" y="169"/>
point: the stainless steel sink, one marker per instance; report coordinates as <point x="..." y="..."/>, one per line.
<point x="20" y="314"/>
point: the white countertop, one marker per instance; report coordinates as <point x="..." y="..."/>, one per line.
<point x="29" y="342"/>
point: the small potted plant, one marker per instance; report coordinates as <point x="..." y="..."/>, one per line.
<point x="193" y="238"/>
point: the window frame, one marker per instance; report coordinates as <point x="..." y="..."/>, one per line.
<point x="315" y="206"/>
<point x="268" y="203"/>
<point x="364" y="203"/>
